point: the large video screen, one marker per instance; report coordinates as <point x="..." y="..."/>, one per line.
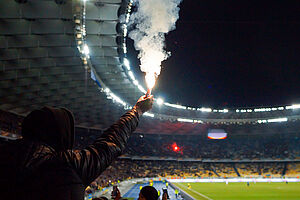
<point x="216" y="134"/>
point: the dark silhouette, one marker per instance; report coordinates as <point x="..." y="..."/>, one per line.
<point x="43" y="165"/>
<point x="148" y="193"/>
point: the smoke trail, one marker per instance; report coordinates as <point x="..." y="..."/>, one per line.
<point x="152" y="20"/>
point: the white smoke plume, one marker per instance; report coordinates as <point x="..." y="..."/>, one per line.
<point x="152" y="20"/>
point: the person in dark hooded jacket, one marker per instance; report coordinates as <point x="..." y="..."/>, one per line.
<point x="43" y="166"/>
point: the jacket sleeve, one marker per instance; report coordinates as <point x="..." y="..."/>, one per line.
<point x="90" y="162"/>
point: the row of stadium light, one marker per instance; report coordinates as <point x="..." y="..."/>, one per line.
<point x="80" y="36"/>
<point x="160" y="101"/>
<point x="260" y="121"/>
<point x="283" y="119"/>
<point x="85" y="56"/>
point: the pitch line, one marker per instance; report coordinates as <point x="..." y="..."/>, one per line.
<point x="202" y="195"/>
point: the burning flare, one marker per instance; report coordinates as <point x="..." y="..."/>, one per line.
<point x="150" y="80"/>
<point x="151" y="21"/>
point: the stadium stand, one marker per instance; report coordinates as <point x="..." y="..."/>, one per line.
<point x="293" y="170"/>
<point x="125" y="169"/>
<point x="239" y="147"/>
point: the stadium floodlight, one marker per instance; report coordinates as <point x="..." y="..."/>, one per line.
<point x="126" y="63"/>
<point x="294" y="106"/>
<point x="135" y="82"/>
<point x="107" y="90"/>
<point x="125" y="30"/>
<point x="205" y="109"/>
<point x="185" y="120"/>
<point x="128" y="16"/>
<point x="284" y="119"/>
<point x="78" y="35"/>
<point x="223" y="111"/>
<point x="260" y="121"/>
<point x="160" y="101"/>
<point x="262" y="109"/>
<point x="198" y="121"/>
<point x="175" y="106"/>
<point x="86" y="49"/>
<point x="142" y="89"/>
<point x="124" y="50"/>
<point x="131" y="75"/>
<point x="117" y="99"/>
<point x="149" y="114"/>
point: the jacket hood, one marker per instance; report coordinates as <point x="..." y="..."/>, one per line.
<point x="53" y="126"/>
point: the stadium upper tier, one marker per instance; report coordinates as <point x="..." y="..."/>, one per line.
<point x="73" y="54"/>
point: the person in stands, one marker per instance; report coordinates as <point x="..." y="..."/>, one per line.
<point x="43" y="165"/>
<point x="146" y="193"/>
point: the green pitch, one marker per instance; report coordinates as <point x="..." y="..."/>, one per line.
<point x="257" y="191"/>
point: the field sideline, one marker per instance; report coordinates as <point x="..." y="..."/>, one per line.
<point x="257" y="191"/>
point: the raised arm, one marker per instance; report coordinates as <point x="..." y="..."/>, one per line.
<point x="90" y="162"/>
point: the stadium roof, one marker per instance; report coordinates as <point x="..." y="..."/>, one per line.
<point x="41" y="65"/>
<point x="73" y="54"/>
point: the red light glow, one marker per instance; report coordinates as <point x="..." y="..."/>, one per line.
<point x="175" y="147"/>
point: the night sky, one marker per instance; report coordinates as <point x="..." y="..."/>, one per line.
<point x="231" y="54"/>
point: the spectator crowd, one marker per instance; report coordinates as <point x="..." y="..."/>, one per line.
<point x="234" y="147"/>
<point x="125" y="169"/>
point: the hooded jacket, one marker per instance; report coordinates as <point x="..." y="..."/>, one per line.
<point x="43" y="165"/>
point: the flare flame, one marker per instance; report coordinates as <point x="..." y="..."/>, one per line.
<point x="151" y="21"/>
